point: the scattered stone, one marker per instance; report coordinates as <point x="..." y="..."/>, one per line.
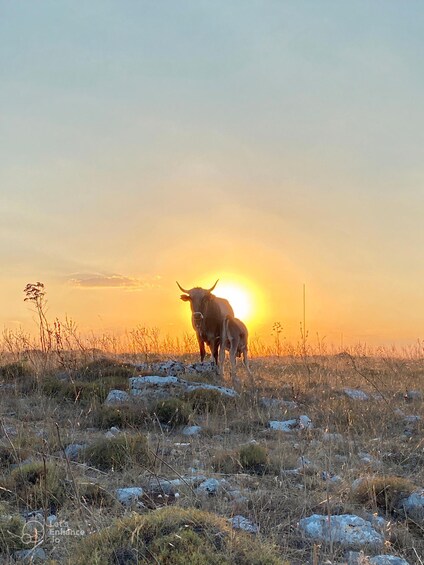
<point x="357" y="558"/>
<point x="388" y="560"/>
<point x="51" y="520"/>
<point x="413" y="395"/>
<point x="115" y="430"/>
<point x="172" y="486"/>
<point x="191" y="430"/>
<point x="356" y="394"/>
<point x="35" y="555"/>
<point x="412" y="420"/>
<point x="413" y="506"/>
<point x="158" y="388"/>
<point x="73" y="450"/>
<point x="201" y="368"/>
<point x="332" y="437"/>
<point x="242" y="523"/>
<point x="330" y="477"/>
<point x="129" y="495"/>
<point x="300" y="423"/>
<point x="166" y="368"/>
<point x="348" y="530"/>
<point x="210" y="487"/>
<point x="116" y="397"/>
<point x="278" y="403"/>
<point x="369" y="460"/>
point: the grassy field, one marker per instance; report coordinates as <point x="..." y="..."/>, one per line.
<point x="50" y="401"/>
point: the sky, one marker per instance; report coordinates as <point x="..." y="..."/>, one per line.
<point x="271" y="144"/>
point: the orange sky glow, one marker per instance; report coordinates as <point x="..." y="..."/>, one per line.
<point x="270" y="148"/>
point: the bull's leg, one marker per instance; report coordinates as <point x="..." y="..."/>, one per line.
<point x="246" y="364"/>
<point x="201" y="348"/>
<point x="222" y="342"/>
<point x="234" y="342"/>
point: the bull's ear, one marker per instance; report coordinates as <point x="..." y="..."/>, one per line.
<point x="185" y="297"/>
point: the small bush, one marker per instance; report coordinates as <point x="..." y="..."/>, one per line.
<point x="382" y="493"/>
<point x="226" y="462"/>
<point x="118" y="453"/>
<point x="11" y="527"/>
<point x="94" y="494"/>
<point x="105" y="368"/>
<point x="254" y="458"/>
<point x="172" y="412"/>
<point x="81" y="391"/>
<point x="174" y="536"/>
<point x="8" y="457"/>
<point x="36" y="485"/>
<point x="105" y="417"/>
<point x="204" y="400"/>
<point x="15" y="371"/>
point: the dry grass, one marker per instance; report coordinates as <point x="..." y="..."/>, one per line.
<point x="376" y="443"/>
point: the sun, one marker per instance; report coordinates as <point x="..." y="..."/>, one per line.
<point x="239" y="298"/>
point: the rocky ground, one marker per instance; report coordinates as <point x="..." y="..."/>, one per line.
<point x="115" y="461"/>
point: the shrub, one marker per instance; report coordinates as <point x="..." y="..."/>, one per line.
<point x="8" y="457"/>
<point x="118" y="452"/>
<point x="226" y="462"/>
<point x="172" y="412"/>
<point x="82" y="391"/>
<point x="105" y="368"/>
<point x="208" y="400"/>
<point x="15" y="371"/>
<point x="383" y="493"/>
<point x="95" y="495"/>
<point x="37" y="485"/>
<point x="11" y="527"/>
<point x="105" y="417"/>
<point x="253" y="457"/>
<point x="174" y="535"/>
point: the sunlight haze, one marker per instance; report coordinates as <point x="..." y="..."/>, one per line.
<point x="267" y="144"/>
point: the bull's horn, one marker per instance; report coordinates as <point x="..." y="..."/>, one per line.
<point x="211" y="289"/>
<point x="183" y="289"/>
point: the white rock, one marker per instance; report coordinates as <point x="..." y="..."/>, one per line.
<point x="278" y="403"/>
<point x="209" y="487"/>
<point x="355" y="394"/>
<point x="128" y="495"/>
<point x="242" y="523"/>
<point x="305" y="423"/>
<point x="191" y="430"/>
<point x="413" y="395"/>
<point x="348" y="530"/>
<point x="332" y="437"/>
<point x="171" y="486"/>
<point x="31" y="555"/>
<point x="117" y="397"/>
<point x="155" y="387"/>
<point x="73" y="450"/>
<point x="301" y="423"/>
<point x="387" y="560"/>
<point x="413" y="506"/>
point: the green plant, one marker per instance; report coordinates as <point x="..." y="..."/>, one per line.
<point x="11" y="527"/>
<point x="172" y="412"/>
<point x="94" y="494"/>
<point x="208" y="400"/>
<point x="118" y="452"/>
<point x="382" y="492"/>
<point x="105" y="417"/>
<point x="253" y="457"/>
<point x="37" y="485"/>
<point x="174" y="536"/>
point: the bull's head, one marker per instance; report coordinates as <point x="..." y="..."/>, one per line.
<point x="197" y="297"/>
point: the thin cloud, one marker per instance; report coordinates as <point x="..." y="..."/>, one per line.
<point x="100" y="280"/>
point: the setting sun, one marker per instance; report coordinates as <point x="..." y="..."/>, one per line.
<point x="239" y="298"/>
